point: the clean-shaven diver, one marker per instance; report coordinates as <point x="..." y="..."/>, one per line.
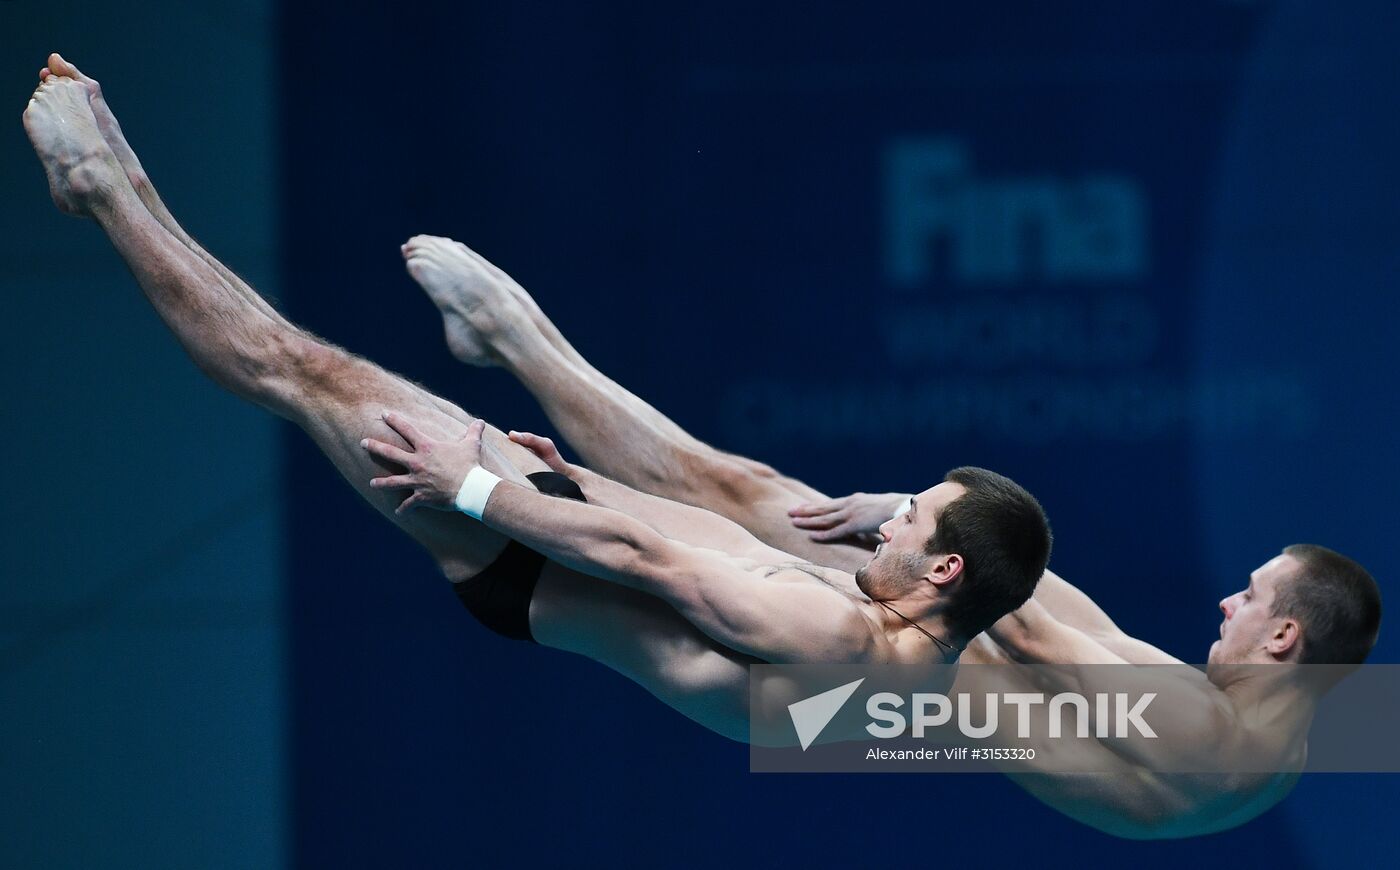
<point x="694" y="599"/>
<point x="1308" y="605"/>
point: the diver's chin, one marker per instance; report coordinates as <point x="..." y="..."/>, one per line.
<point x="1213" y="660"/>
<point x="862" y="576"/>
<point x="1219" y="670"/>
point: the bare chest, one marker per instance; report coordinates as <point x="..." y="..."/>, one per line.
<point x="806" y="573"/>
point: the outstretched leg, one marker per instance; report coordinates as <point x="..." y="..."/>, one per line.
<point x="136" y="174"/>
<point x="469" y="346"/>
<point x="235" y="338"/>
<point x="338" y="398"/>
<point x="490" y="320"/>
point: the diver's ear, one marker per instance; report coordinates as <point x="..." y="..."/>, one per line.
<point x="944" y="568"/>
<point x="1287" y="636"/>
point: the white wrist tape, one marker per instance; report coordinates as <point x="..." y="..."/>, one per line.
<point x="904" y="508"/>
<point x="476" y="489"/>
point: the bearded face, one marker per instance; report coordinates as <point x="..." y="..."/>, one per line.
<point x="890" y="574"/>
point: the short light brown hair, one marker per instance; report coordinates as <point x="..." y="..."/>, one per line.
<point x="1337" y="603"/>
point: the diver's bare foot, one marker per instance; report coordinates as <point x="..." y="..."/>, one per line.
<point x="521" y="295"/>
<point x="106" y="120"/>
<point x="532" y="308"/>
<point x="76" y="159"/>
<point x="478" y="308"/>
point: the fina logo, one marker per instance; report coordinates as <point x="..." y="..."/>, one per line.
<point x="1006" y="229"/>
<point x="810" y="716"/>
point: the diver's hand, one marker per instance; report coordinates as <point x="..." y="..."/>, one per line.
<point x="854" y="518"/>
<point x="433" y="469"/>
<point x="544" y="448"/>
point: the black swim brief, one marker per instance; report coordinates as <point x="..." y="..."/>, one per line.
<point x="499" y="597"/>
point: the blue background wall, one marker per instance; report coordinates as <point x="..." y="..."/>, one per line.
<point x="1136" y="256"/>
<point x="142" y="645"/>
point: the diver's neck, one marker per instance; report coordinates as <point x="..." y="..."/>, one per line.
<point x="1272" y="699"/>
<point x="899" y="617"/>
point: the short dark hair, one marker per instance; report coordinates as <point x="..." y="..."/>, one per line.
<point x="1003" y="535"/>
<point x="1337" y="602"/>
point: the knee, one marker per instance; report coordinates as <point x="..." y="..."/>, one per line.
<point x="731" y="480"/>
<point x="758" y="469"/>
<point x="298" y="369"/>
<point x="264" y="366"/>
<point x="313" y="364"/>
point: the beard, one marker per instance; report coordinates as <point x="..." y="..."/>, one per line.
<point x="863" y="580"/>
<point x="889" y="578"/>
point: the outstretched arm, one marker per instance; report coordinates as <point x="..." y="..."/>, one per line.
<point x="767" y="620"/>
<point x="1070" y="605"/>
<point x="1031" y="635"/>
<point x="1185" y="721"/>
<point x="680" y="522"/>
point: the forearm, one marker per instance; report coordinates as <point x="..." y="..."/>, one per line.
<point x="729" y="606"/>
<point x="1030" y="635"/>
<point x="679" y="522"/>
<point x="1017" y="632"/>
<point x="588" y="538"/>
<point x="1070" y="605"/>
<point x="602" y="490"/>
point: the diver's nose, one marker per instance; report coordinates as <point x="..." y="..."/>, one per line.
<point x="1226" y="609"/>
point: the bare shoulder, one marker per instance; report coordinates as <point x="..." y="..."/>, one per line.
<point x="832" y="601"/>
<point x="1197" y="727"/>
<point x="1195" y="705"/>
<point x="796" y="611"/>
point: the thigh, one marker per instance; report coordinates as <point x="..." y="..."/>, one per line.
<point x="339" y="400"/>
<point x="645" y="640"/>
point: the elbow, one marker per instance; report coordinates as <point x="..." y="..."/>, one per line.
<point x="1013" y="636"/>
<point x="636" y="552"/>
<point x="1021" y="654"/>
